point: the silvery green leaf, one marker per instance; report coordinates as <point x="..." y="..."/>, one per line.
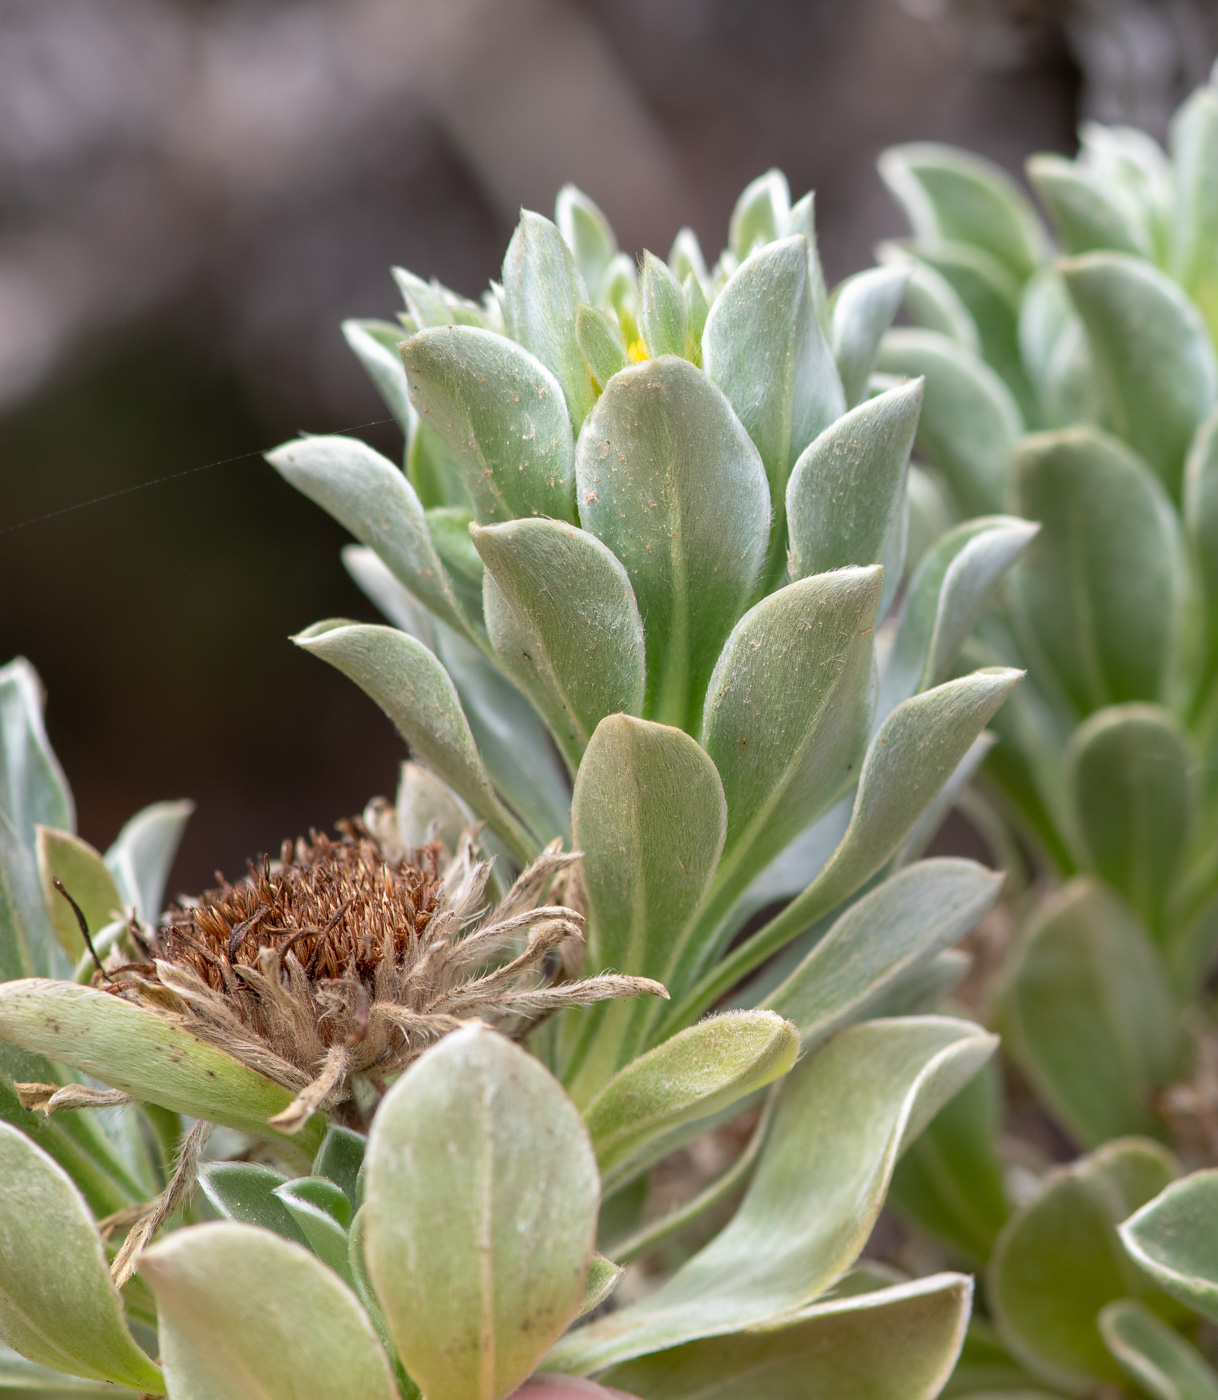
<point x="913" y="753"/>
<point x="33" y="789"/>
<point x="1155" y="1356"/>
<point x="600" y="343"/>
<point x="847" y="490"/>
<point x="1201" y="517"/>
<point x="802" y="220"/>
<point x="891" y="1344"/>
<point x="369" y="496"/>
<point x="1088" y="211"/>
<point x="953" y="195"/>
<point x="863" y="308"/>
<point x="312" y="1336"/>
<point x="685" y="258"/>
<point x="670" y="481"/>
<point x="143" y="853"/>
<point x="814" y="1196"/>
<point x="449" y="530"/>
<point x="433" y="468"/>
<point x="26" y="1380"/>
<point x="542" y="290"/>
<point x="761" y="213"/>
<point x="1129" y="776"/>
<point x="926" y="828"/>
<point x="340" y="1159"/>
<point x="1152" y="352"/>
<point x="765" y="348"/>
<point x="146" y="1055"/>
<point x="603" y="1275"/>
<point x="375" y="345"/>
<point x="246" y="1192"/>
<point x="588" y="235"/>
<point x="416" y="692"/>
<point x="1088" y="1015"/>
<point x="620" y="290"/>
<point x="371" y="575"/>
<point x="83" y="873"/>
<point x="1194" y="220"/>
<point x="1045" y="310"/>
<point x="58" y="1306"/>
<point x="931" y="515"/>
<point x="562" y="618"/>
<point x="694" y="1074"/>
<point x="950" y="1179"/>
<point x="432" y="304"/>
<point x="923" y="990"/>
<point x="427" y="810"/>
<point x="871" y="947"/>
<point x="482" y="1194"/>
<point x="697" y="309"/>
<point x="661" y="309"/>
<point x="1099" y="589"/>
<point x="502" y="415"/>
<point x="950" y="587"/>
<point x="930" y="301"/>
<point x="28" y="943"/>
<point x="788" y="713"/>
<point x="322" y="1213"/>
<point x="650" y="817"/>
<point x="1058" y="1262"/>
<point x="992" y="296"/>
<point x="514" y="744"/>
<point x="1174" y="1238"/>
<point x="1135" y="163"/>
<point x="969" y="422"/>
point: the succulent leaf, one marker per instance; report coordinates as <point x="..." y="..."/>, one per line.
<point x="1174" y="1238"/>
<point x="1155" y="1356"/>
<point x="588" y="235"/>
<point x="83" y="873"/>
<point x="33" y="789"/>
<point x="863" y="308"/>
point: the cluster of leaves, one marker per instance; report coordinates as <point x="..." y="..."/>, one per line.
<point x="1077" y="385"/>
<point x="648" y="527"/>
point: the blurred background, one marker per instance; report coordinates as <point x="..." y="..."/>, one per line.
<point x="194" y="194"/>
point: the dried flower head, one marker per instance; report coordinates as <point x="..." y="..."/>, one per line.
<point x="346" y="958"/>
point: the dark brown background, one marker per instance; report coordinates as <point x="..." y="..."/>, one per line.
<point x="193" y="195"/>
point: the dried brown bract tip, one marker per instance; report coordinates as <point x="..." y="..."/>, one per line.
<point x="346" y="958"/>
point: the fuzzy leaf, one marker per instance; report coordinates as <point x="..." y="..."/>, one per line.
<point x="603" y="1275"/>
<point x="953" y="195"/>
<point x="1174" y="1238"/>
<point x="1059" y="1261"/>
<point x="1129" y="779"/>
<point x="145" y="1055"/>
<point x="1194" y="146"/>
<point x="502" y="415"/>
<point x="26" y="1380"/>
<point x="761" y="213"/>
<point x="312" y="1337"/>
<point x="814" y="1196"/>
<point x="1088" y="1015"/>
<point x="951" y="585"/>
<point x="1201" y="518"/>
<point x="542" y="289"/>
<point x="764" y="347"/>
<point x="33" y="789"/>
<point x="415" y="691"/>
<point x="892" y="1344"/>
<point x="1155" y="1356"/>
<point x="601" y="344"/>
<point x="662" y="309"/>
<point x="788" y="712"/>
<point x="57" y="1304"/>
<point x="369" y="496"/>
<point x="340" y="1158"/>
<point x="969" y="422"/>
<point x="143" y="854"/>
<point x="871" y="947"/>
<point x="930" y="301"/>
<point x="588" y="235"/>
<point x="696" y="1073"/>
<point x="375" y="345"/>
<point x="1100" y="585"/>
<point x="1088" y="211"/>
<point x="847" y="490"/>
<point x="670" y="481"/>
<point x="322" y="1213"/>
<point x="863" y="308"/>
<point x="950" y="1180"/>
<point x="1152" y="352"/>
<point x="64" y="857"/>
<point x="482" y="1196"/>
<point x="246" y="1192"/>
<point x="562" y="618"/>
<point x="28" y="944"/>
